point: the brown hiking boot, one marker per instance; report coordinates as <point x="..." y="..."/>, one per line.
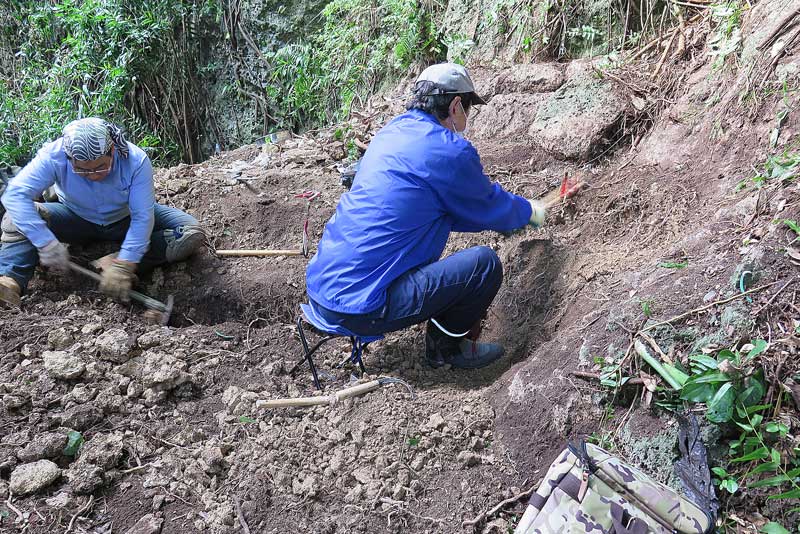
<point x="9" y="291"/>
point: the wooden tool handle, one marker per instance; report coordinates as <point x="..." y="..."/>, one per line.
<point x="286" y="403"/>
<point x="257" y="252"/>
<point x="149" y="302"/>
<point x="339" y="396"/>
<point x="357" y="390"/>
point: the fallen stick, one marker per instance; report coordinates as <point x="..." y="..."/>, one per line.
<point x="78" y="513"/>
<point x="484" y="515"/>
<point x="240" y="516"/>
<point x="258" y="253"/>
<point x="782" y="26"/>
<point x="772" y="298"/>
<point x="708" y="306"/>
<point x="20" y="516"/>
<point x="661" y="39"/>
<point x="664" y="55"/>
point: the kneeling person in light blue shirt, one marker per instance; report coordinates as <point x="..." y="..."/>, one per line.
<point x="105" y="190"/>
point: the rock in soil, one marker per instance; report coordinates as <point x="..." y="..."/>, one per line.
<point x="33" y="477"/>
<point x="63" y="365"/>
<point x="115" y="345"/>
<point x="149" y="524"/>
<point x="48" y="445"/>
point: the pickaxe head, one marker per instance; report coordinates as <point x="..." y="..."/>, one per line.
<point x="159" y="315"/>
<point x="570" y="186"/>
<point x="167" y="313"/>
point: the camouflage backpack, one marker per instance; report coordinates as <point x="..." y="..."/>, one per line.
<point x="588" y="490"/>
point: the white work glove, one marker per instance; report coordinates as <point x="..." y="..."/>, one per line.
<point x="538" y="213"/>
<point x="54" y="255"/>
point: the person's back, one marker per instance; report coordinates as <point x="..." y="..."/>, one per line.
<point x="416" y="183"/>
<point x="377" y="266"/>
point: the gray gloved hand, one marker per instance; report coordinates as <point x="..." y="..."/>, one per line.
<point x="538" y="213"/>
<point x="54" y="255"/>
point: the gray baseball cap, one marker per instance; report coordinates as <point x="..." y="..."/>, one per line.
<point x="450" y="78"/>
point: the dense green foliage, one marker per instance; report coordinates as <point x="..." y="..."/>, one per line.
<point x="78" y="58"/>
<point x="360" y="45"/>
<point x="71" y="58"/>
<point x="184" y="76"/>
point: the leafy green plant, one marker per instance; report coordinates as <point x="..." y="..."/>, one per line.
<point x="360" y="46"/>
<point x="80" y="58"/>
<point x="727" y="39"/>
<point x="674" y="264"/>
<point x="647" y="307"/>
<point x="774" y="528"/>
<point x="725" y="481"/>
<point x="722" y="382"/>
<point x="732" y="389"/>
<point x="778" y="168"/>
<point x="246" y="420"/>
<point x="794" y="227"/>
<point x="458" y="47"/>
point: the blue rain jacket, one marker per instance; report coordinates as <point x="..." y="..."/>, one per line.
<point x="417" y="182"/>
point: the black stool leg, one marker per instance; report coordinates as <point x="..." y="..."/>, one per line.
<point x="308" y="352"/>
<point x="357" y="353"/>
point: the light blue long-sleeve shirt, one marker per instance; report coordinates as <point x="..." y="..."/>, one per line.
<point x="416" y="183"/>
<point x="126" y="191"/>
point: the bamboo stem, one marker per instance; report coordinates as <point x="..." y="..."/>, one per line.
<point x="655" y="364"/>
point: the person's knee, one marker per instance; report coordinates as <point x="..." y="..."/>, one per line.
<point x="189" y="220"/>
<point x="183" y="241"/>
<point x="10" y="232"/>
<point x="489" y="263"/>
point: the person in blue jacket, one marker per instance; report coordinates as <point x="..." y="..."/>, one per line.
<point x="378" y="266"/>
<point x="105" y="192"/>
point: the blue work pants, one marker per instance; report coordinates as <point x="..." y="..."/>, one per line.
<point x="19" y="259"/>
<point x="456" y="291"/>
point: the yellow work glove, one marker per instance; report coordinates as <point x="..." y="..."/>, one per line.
<point x="538" y="213"/>
<point x="117" y="279"/>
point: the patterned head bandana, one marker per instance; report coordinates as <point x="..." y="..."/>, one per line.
<point x="92" y="138"/>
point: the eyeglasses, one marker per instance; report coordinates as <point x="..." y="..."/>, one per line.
<point x="80" y="171"/>
<point x="87" y="172"/>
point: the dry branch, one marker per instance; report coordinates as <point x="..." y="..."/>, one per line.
<point x="83" y="509"/>
<point x="240" y="515"/>
<point x="782" y="26"/>
<point x="707" y="306"/>
<point x="664" y="54"/>
<point x="483" y="515"/>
